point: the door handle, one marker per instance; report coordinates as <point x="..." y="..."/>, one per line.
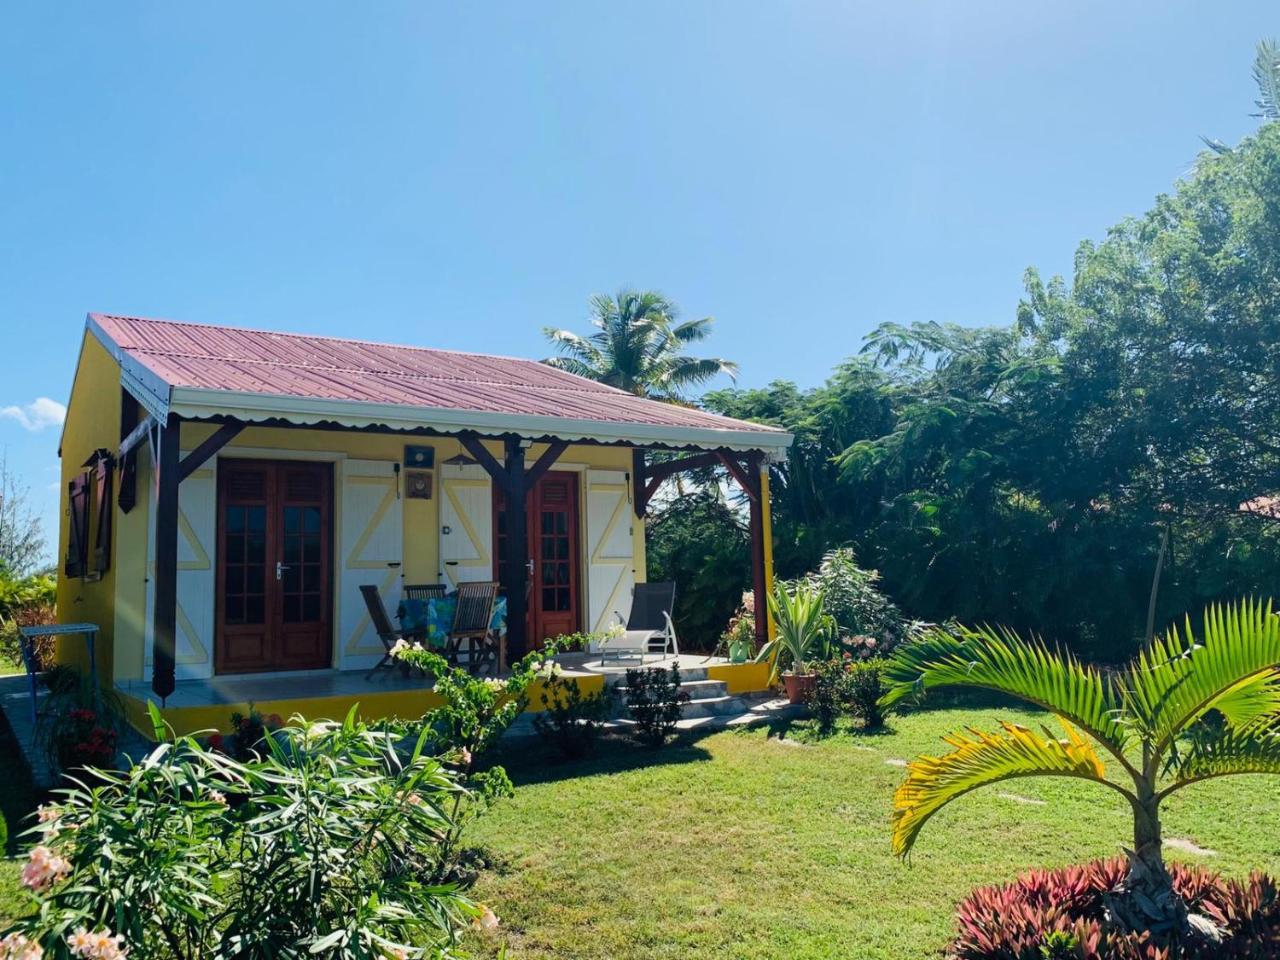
<point x="280" y="569"/>
<point x="529" y="566"/>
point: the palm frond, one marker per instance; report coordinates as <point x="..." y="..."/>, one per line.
<point x="1255" y="701"/>
<point x="574" y="366"/>
<point x="683" y="372"/>
<point x="1266" y="74"/>
<point x="691" y="331"/>
<point x="569" y="342"/>
<point x="980" y="759"/>
<point x="1000" y="660"/>
<point x="1229" y="752"/>
<point x="1177" y="679"/>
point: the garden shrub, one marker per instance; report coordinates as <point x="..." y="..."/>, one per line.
<point x="864" y="614"/>
<point x="79" y="723"/>
<point x="655" y="702"/>
<point x="248" y="734"/>
<point x="847" y="686"/>
<point x="570" y="721"/>
<point x="27" y="602"/>
<point x="1060" y="913"/>
<point x="327" y="851"/>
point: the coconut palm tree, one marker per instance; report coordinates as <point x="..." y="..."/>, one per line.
<point x="1185" y="710"/>
<point x="638" y="346"/>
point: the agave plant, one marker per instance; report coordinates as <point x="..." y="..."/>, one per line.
<point x="804" y="629"/>
<point x="1186" y="709"/>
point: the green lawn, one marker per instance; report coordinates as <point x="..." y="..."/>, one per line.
<point x="755" y="845"/>
<point x="748" y="845"/>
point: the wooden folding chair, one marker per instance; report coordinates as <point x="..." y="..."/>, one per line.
<point x="383" y="627"/>
<point x="472" y="622"/>
<point x="423" y="591"/>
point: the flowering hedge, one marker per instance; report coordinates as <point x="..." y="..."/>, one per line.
<point x="323" y="845"/>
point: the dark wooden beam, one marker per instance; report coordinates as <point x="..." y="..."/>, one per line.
<point x="128" y="496"/>
<point x="639" y="496"/>
<point x="194" y="460"/>
<point x="165" y="591"/>
<point x="514" y="505"/>
<point x="471" y="443"/>
<point x="544" y="462"/>
<point x="750" y="485"/>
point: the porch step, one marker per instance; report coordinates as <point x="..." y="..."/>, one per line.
<point x="713" y="707"/>
<point x="695" y="689"/>
<point x="687" y="675"/>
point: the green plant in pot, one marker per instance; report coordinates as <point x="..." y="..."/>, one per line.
<point x="804" y="631"/>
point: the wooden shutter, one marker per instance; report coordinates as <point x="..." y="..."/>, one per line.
<point x="77" y="560"/>
<point x="103" y="509"/>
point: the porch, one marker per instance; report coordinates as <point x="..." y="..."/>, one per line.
<point x="207" y="703"/>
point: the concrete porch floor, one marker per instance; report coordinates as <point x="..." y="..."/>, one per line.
<point x="314" y="684"/>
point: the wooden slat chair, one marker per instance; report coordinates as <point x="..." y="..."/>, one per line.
<point x="383" y="627"/>
<point x="472" y="622"/>
<point x="649" y="623"/>
<point x="424" y="591"/>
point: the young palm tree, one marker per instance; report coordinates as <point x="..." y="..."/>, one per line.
<point x="1183" y="711"/>
<point x="638" y="346"/>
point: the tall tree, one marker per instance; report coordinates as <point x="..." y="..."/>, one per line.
<point x="639" y="346"/>
<point x="22" y="540"/>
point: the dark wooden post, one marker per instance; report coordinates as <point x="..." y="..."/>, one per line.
<point x="165" y="610"/>
<point x="515" y="512"/>
<point x="639" y="498"/>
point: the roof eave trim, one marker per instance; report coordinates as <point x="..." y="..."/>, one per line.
<point x="199" y="403"/>
<point x="151" y="390"/>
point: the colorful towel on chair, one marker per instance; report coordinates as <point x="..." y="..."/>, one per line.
<point x="434" y="618"/>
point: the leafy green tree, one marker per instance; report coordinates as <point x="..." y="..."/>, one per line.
<point x="639" y="346"/>
<point x="1186" y="710"/>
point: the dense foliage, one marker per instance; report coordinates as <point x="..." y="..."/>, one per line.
<point x="323" y="845"/>
<point x="26" y="601"/>
<point x="570" y="721"/>
<point x="1051" y="914"/>
<point x="1028" y="474"/>
<point x="655" y="703"/>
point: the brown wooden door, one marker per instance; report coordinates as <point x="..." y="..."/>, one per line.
<point x="274" y="597"/>
<point x="553" y="561"/>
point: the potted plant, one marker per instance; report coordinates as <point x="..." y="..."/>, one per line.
<point x="804" y="631"/>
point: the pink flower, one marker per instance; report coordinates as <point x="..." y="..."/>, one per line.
<point x="44" y="868"/>
<point x="17" y="946"/>
<point x="99" y="945"/>
<point x="217" y="796"/>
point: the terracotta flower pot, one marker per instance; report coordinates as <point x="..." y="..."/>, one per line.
<point x="799" y="686"/>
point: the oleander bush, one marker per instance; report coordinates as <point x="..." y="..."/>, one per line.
<point x="570" y="721"/>
<point x="1059" y="914"/>
<point x="655" y="702"/>
<point x="328" y="851"/>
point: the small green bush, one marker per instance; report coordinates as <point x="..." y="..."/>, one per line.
<point x="654" y="700"/>
<point x="570" y="721"/>
<point x="829" y="694"/>
<point x="863" y="690"/>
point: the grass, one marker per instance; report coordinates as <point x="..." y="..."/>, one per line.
<point x="768" y="843"/>
<point x="18" y="799"/>
<point x="757" y="845"/>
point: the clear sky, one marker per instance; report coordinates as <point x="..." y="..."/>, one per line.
<point x="463" y="174"/>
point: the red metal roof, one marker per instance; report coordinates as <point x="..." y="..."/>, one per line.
<point x="207" y="357"/>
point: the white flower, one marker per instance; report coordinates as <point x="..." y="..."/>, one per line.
<point x="47" y="813"/>
<point x="548" y="670"/>
<point x="493" y="683"/>
<point x="17" y="946"/>
<point x="399" y="647"/>
<point x="217" y="796"/>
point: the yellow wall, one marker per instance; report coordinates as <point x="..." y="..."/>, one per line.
<point x="374" y="705"/>
<point x="93" y="421"/>
<point x="741" y="677"/>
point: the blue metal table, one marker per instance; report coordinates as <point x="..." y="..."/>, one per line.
<point x="28" y="634"/>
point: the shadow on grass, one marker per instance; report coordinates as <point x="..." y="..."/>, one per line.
<point x="528" y="760"/>
<point x="19" y="797"/>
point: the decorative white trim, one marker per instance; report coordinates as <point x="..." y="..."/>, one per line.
<point x="252" y="407"/>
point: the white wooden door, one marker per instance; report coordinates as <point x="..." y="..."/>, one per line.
<point x="610" y="548"/>
<point x="466" y="524"/>
<point x="197" y="538"/>
<point x="371" y="550"/>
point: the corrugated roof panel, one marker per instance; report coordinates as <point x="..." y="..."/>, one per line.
<point x="291" y="365"/>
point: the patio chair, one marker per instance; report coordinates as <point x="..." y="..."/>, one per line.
<point x="423" y="591"/>
<point x="383" y="627"/>
<point x="649" y="623"/>
<point x="472" y="622"/>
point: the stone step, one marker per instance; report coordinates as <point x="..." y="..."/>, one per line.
<point x="714" y="707"/>
<point x="696" y="689"/>
<point x="687" y="674"/>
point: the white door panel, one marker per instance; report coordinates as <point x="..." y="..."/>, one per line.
<point x="466" y="524"/>
<point x="610" y="547"/>
<point x="371" y="550"/>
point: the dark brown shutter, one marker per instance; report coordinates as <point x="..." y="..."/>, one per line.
<point x="103" y="508"/>
<point x="76" y="563"/>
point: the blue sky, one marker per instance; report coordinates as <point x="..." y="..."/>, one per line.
<point x="462" y="175"/>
